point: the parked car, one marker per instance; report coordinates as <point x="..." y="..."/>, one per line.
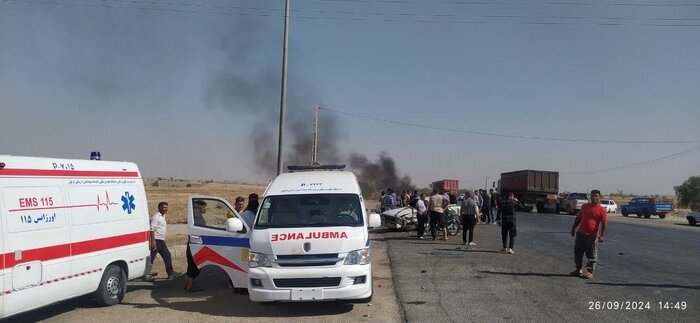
<point x="609" y="205"/>
<point x="571" y="203"/>
<point x="646" y="207"/>
<point x="693" y="217"/>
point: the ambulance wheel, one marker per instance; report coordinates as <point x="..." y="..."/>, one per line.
<point x="236" y="290"/>
<point x="112" y="286"/>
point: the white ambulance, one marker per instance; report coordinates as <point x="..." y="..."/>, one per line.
<point x="69" y="228"/>
<point x="309" y="240"/>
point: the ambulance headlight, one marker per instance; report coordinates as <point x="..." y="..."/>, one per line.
<point x="358" y="257"/>
<point x="258" y="260"/>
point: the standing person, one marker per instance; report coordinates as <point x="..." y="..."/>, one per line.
<point x="494" y="206"/>
<point x="486" y="207"/>
<point x="470" y="212"/>
<point x="388" y="200"/>
<point x="405" y="199"/>
<point x="592" y="218"/>
<point x="422" y="216"/>
<point x="381" y="202"/>
<point x="251" y="210"/>
<point x="199" y="208"/>
<point x="395" y="199"/>
<point x="508" y="220"/>
<point x="240" y="201"/>
<point x="437" y="206"/>
<point x="158" y="230"/>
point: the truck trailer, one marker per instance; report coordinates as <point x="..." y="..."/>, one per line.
<point x="446" y="185"/>
<point x="533" y="188"/>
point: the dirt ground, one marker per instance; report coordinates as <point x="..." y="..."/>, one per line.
<point x="176" y="193"/>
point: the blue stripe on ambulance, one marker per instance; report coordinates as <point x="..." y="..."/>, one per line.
<point x="225" y="241"/>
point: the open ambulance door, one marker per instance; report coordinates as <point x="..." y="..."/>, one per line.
<point x="211" y="244"/>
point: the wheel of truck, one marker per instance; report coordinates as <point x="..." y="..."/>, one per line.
<point x="112" y="287"/>
<point x="639" y="215"/>
<point x="624" y="213"/>
<point x="540" y="207"/>
<point x="691" y="221"/>
<point x="646" y="214"/>
<point x="662" y="216"/>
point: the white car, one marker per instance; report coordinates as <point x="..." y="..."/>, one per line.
<point x="693" y="217"/>
<point x="609" y="206"/>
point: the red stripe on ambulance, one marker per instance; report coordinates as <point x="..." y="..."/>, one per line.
<point x="73" y="249"/>
<point x="65" y="173"/>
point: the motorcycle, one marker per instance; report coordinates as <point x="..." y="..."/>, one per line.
<point x="453" y="222"/>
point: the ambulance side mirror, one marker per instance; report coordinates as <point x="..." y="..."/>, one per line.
<point x="234" y="225"/>
<point x="374" y="221"/>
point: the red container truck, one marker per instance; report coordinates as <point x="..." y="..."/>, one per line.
<point x="534" y="188"/>
<point x="446" y="185"/>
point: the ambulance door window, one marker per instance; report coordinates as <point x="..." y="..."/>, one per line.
<point x="212" y="214"/>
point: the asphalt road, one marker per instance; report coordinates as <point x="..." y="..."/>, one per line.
<point x="642" y="260"/>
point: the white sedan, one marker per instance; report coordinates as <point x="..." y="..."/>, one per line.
<point x="609" y="205"/>
<point x="693" y="217"/>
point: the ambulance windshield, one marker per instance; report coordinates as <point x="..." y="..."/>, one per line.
<point x="310" y="210"/>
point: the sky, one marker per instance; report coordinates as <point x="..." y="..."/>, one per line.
<point x="192" y="89"/>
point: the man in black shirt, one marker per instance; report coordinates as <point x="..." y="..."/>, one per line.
<point x="506" y="211"/>
<point x="486" y="207"/>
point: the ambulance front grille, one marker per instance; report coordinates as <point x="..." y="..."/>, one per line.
<point x="326" y="259"/>
<point x="307" y="282"/>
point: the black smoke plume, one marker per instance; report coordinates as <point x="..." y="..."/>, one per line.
<point x="255" y="91"/>
<point x="380" y="174"/>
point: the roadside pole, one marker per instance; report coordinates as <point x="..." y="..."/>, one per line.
<point x="283" y="96"/>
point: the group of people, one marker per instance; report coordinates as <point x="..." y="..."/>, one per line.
<point x="589" y="227"/>
<point x="199" y="208"/>
<point x="490" y="211"/>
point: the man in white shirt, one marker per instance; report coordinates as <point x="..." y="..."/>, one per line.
<point x="422" y="216"/>
<point x="158" y="228"/>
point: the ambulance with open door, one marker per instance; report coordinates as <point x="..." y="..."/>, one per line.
<point x="309" y="242"/>
<point x="69" y="228"/>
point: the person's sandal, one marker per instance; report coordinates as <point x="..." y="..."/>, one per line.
<point x="587" y="275"/>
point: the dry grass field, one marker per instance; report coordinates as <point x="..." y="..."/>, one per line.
<point x="176" y="192"/>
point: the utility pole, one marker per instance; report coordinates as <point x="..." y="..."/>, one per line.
<point x="314" y="138"/>
<point x="283" y="96"/>
<point x="486" y="183"/>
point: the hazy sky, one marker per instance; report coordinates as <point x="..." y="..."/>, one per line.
<point x="179" y="87"/>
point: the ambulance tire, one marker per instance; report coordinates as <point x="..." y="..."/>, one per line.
<point x="112" y="286"/>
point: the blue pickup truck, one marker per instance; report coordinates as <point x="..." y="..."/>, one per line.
<point x="646" y="207"/>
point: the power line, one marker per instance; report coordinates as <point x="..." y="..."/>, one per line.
<point x="639" y="164"/>
<point x="481" y="133"/>
<point x="525" y="3"/>
<point x="399" y="14"/>
<point x="375" y="16"/>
